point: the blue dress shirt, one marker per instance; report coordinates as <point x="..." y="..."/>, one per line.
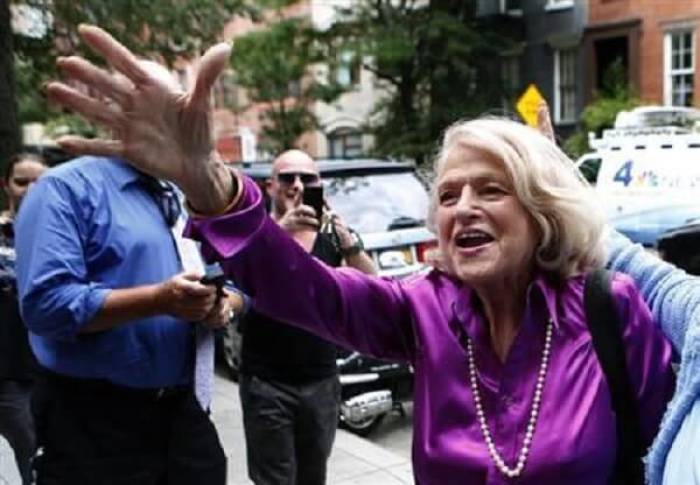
<point x="85" y="228"/>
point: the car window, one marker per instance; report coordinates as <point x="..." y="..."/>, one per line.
<point x="377" y="203"/>
<point x="589" y="168"/>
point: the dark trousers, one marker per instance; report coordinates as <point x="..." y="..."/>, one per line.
<point x="289" y="429"/>
<point x="92" y="432"/>
<point x="16" y="424"/>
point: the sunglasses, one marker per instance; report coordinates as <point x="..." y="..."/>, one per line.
<point x="290" y="177"/>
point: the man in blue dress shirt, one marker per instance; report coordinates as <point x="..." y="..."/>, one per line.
<point x="108" y="308"/>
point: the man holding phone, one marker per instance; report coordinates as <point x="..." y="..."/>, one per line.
<point x="112" y="297"/>
<point x="289" y="386"/>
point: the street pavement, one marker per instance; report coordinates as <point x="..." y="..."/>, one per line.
<point x="354" y="461"/>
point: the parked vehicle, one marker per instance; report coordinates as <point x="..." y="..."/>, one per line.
<point x="681" y="246"/>
<point x="386" y="203"/>
<point x="371" y="388"/>
<point x="646" y="172"/>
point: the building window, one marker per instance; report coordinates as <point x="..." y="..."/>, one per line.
<point x="565" y="85"/>
<point x="558" y="4"/>
<point x="345" y="143"/>
<point x="510" y="80"/>
<point x="511" y="7"/>
<point x="226" y="91"/>
<point x="347" y="74"/>
<point x="679" y="68"/>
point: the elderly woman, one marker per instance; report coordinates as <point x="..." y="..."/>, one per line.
<point x="507" y="384"/>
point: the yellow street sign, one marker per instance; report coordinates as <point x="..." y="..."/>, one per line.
<point x="528" y="104"/>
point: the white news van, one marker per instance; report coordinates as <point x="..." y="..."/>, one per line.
<point x="647" y="170"/>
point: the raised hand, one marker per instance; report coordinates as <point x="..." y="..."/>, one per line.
<point x="155" y="126"/>
<point x="544" y="121"/>
<point x="299" y="219"/>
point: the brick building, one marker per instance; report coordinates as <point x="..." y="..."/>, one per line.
<point x="655" y="40"/>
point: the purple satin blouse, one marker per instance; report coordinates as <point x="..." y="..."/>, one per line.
<point x="425" y="321"/>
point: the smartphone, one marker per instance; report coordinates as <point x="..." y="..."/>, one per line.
<point x="214" y="275"/>
<point x="313" y="197"/>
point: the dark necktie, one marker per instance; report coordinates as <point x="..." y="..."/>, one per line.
<point x="165" y="197"/>
<point x="168" y="202"/>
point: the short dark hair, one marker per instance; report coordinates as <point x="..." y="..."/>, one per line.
<point x="20" y="157"/>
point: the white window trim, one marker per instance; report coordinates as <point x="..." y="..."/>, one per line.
<point x="668" y="59"/>
<point x="556" y="5"/>
<point x="514" y="12"/>
<point x="557" y="95"/>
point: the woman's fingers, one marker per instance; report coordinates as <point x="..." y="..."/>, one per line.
<point x="212" y="63"/>
<point x="544" y="121"/>
<point x="115" y="53"/>
<point x="91" y="146"/>
<point x="97" y="111"/>
<point x="114" y="87"/>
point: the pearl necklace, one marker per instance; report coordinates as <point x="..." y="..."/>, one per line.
<point x="525" y="450"/>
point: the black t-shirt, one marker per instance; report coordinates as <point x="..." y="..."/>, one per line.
<point x="278" y="351"/>
<point x="17" y="361"/>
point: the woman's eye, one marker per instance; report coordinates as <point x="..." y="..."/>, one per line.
<point x="493" y="190"/>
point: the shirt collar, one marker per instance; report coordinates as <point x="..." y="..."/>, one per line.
<point x="542" y="290"/>
<point x="123" y="173"/>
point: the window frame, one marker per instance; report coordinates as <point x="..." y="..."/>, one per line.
<point x="558" y="119"/>
<point x="669" y="72"/>
<point x="554" y="5"/>
<point x="341" y="136"/>
<point x="348" y="61"/>
<point x="503" y="5"/>
<point x="512" y="86"/>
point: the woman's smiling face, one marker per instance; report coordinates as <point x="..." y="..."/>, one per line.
<point x="486" y="235"/>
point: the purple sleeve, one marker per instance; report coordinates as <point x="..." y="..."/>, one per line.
<point x="355" y="310"/>
<point x="648" y="355"/>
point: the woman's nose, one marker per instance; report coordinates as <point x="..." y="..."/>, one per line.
<point x="468" y="202"/>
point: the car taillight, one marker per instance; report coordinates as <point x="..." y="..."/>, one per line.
<point x="424" y="248"/>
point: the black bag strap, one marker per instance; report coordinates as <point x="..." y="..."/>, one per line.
<point x="606" y="334"/>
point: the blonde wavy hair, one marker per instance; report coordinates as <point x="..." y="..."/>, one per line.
<point x="545" y="180"/>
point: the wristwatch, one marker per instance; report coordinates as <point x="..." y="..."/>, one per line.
<point x="355" y="248"/>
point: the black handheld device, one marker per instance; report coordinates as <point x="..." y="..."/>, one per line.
<point x="313" y="197"/>
<point x="214" y="275"/>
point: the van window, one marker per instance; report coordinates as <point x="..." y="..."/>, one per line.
<point x="589" y="168"/>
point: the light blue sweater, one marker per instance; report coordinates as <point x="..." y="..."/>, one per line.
<point x="674" y="298"/>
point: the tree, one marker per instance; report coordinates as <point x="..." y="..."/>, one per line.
<point x="274" y="66"/>
<point x="615" y="96"/>
<point x="9" y="129"/>
<point x="437" y="61"/>
<point x="165" y="29"/>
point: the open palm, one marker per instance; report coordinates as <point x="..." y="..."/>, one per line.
<point x="155" y="126"/>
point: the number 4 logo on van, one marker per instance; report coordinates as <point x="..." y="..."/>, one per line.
<point x="624" y="173"/>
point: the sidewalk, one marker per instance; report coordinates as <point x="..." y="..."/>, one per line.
<point x="354" y="461"/>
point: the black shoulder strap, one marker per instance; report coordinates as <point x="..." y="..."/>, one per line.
<point x="606" y="333"/>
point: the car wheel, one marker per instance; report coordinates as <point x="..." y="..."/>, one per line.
<point x="362" y="427"/>
<point x="231" y="340"/>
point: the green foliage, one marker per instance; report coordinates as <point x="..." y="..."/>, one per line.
<point x="273" y="65"/>
<point x="615" y="96"/>
<point x="164" y="29"/>
<point x="437" y="60"/>
<point x="63" y="124"/>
